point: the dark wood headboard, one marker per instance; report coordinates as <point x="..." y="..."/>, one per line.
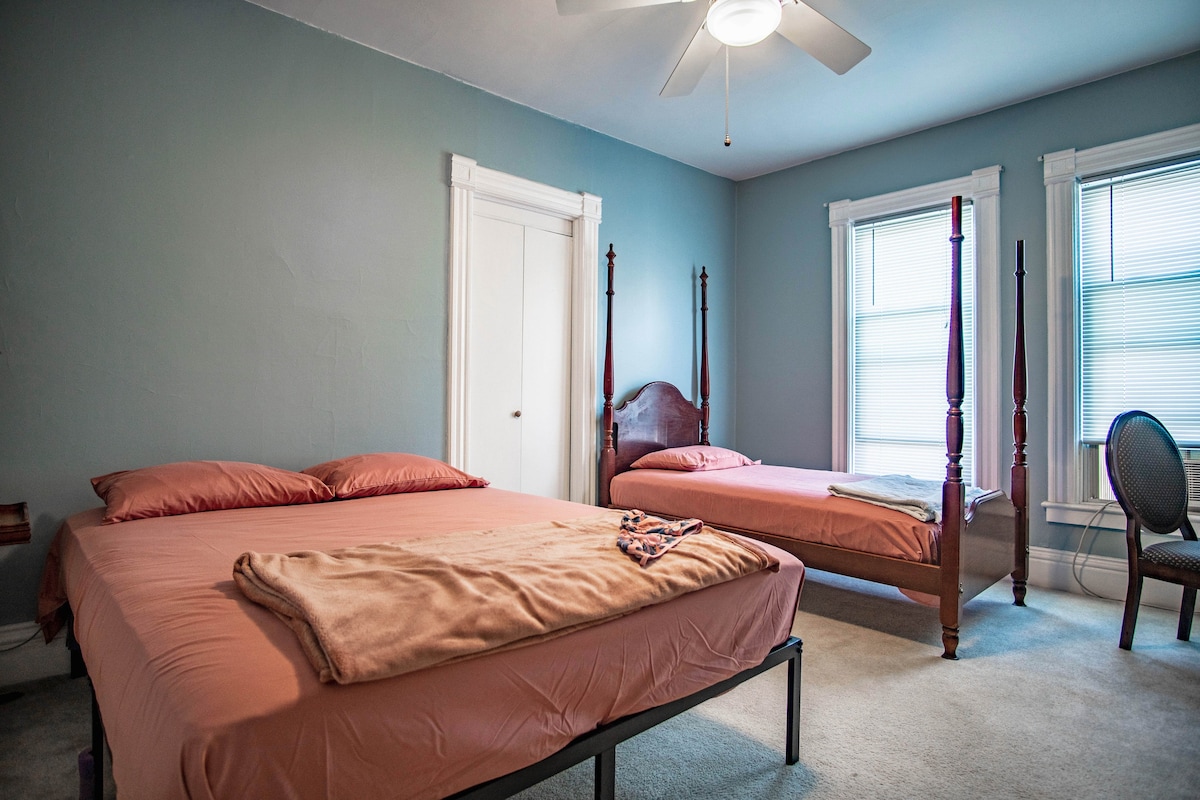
<point x="655" y="418"/>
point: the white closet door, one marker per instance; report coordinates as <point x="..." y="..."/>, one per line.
<point x="519" y="344"/>
<point x="495" y="343"/>
<point x="546" y="365"/>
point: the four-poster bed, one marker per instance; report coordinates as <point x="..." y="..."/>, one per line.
<point x="974" y="546"/>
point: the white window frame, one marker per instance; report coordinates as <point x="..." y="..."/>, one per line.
<point x="982" y="189"/>
<point x="1062" y="171"/>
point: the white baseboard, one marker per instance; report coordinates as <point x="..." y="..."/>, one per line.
<point x="1048" y="569"/>
<point x="32" y="660"/>
<point x="1102" y="575"/>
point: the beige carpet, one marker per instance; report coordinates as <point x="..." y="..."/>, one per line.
<point x="1042" y="705"/>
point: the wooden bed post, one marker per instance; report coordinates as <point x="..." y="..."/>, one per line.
<point x="1020" y="470"/>
<point x="953" y="499"/>
<point x="703" y="356"/>
<point x="608" y="453"/>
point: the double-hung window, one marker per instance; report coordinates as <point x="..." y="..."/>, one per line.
<point x="1124" y="305"/>
<point x="891" y="277"/>
<point x="899" y="312"/>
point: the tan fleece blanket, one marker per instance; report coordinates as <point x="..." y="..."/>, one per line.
<point x="375" y="611"/>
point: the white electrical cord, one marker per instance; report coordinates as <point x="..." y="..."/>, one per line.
<point x="22" y="644"/>
<point x="1076" y="570"/>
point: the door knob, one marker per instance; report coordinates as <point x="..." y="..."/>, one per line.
<point x="517" y="413"/>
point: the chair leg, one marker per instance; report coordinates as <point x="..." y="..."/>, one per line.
<point x="1186" y="610"/>
<point x="1132" y="598"/>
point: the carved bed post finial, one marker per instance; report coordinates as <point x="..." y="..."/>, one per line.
<point x="703" y="356"/>
<point x="608" y="449"/>
<point x="1020" y="469"/>
<point x="953" y="490"/>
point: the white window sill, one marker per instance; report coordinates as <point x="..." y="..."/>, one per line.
<point x="1094" y="515"/>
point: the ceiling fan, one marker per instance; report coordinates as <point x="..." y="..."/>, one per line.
<point x="738" y="23"/>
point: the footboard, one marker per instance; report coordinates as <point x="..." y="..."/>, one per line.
<point x="986" y="544"/>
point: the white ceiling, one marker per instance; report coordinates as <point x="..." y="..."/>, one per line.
<point x="932" y="61"/>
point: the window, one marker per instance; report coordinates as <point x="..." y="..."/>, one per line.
<point x="891" y="278"/>
<point x="1139" y="282"/>
<point x="1123" y="289"/>
<point x="899" y="326"/>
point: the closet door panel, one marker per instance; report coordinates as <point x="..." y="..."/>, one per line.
<point x="546" y="365"/>
<point x="495" y="353"/>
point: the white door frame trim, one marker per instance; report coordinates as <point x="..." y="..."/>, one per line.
<point x="468" y="182"/>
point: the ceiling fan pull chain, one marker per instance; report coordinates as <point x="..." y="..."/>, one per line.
<point x="727" y="142"/>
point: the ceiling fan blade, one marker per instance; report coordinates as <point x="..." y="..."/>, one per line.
<point x="692" y="64"/>
<point x="821" y="37"/>
<point x="568" y="7"/>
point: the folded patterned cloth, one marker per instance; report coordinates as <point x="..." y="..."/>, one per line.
<point x="645" y="538"/>
<point x="918" y="498"/>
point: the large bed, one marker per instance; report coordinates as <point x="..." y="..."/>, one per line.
<point x="944" y="563"/>
<point x="205" y="694"/>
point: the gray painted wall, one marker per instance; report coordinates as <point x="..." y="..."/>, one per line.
<point x="223" y="235"/>
<point x="784" y="367"/>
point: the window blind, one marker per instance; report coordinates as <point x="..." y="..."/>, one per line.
<point x="1139" y="284"/>
<point x="900" y="327"/>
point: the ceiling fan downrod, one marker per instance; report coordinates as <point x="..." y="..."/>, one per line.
<point x="727" y="140"/>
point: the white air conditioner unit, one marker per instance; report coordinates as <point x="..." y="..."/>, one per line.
<point x="1191" y="468"/>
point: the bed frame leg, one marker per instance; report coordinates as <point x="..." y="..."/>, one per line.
<point x="793" y="707"/>
<point x="97" y="748"/>
<point x="950" y="643"/>
<point x="1018" y="592"/>
<point x="78" y="668"/>
<point x="606" y="774"/>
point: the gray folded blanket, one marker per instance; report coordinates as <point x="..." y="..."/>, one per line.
<point x="916" y="497"/>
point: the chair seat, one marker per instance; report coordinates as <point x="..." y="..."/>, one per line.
<point x="1183" y="554"/>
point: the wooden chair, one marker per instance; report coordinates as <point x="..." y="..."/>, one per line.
<point x="1146" y="473"/>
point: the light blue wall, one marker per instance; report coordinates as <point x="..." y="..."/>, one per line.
<point x="783" y="330"/>
<point x="224" y="235"/>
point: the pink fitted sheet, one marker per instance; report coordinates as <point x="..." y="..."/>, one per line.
<point x="784" y="501"/>
<point x="207" y="695"/>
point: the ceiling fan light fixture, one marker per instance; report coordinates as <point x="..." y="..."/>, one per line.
<point x="739" y="23"/>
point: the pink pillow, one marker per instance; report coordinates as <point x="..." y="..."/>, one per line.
<point x="693" y="458"/>
<point x="186" y="487"/>
<point x="390" y="473"/>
